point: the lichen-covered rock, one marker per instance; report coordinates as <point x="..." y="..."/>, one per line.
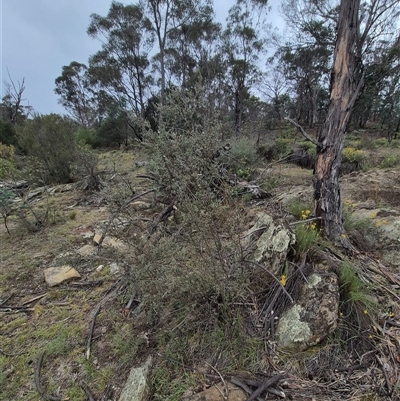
<point x="315" y="315"/>
<point x="272" y="242"/>
<point x="137" y="386"/>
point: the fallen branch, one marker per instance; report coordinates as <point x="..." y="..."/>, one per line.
<point x="244" y="386"/>
<point x="89" y="341"/>
<point x="382" y="366"/>
<point x="264" y="386"/>
<point x="9" y="297"/>
<point x="39" y="387"/>
<point x="350" y="369"/>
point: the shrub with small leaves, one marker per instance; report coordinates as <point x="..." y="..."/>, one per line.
<point x="50" y="143"/>
<point x="183" y="152"/>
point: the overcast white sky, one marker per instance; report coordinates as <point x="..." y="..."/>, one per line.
<point x="39" y="37"/>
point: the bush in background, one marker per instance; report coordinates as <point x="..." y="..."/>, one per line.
<point x="7" y="133"/>
<point x="50" y="143"/>
<point x="7" y="160"/>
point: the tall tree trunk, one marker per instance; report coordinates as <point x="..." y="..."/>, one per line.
<point x="344" y="90"/>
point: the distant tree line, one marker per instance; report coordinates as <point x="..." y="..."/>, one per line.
<point x="149" y="48"/>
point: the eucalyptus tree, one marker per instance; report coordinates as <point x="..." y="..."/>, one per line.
<point x="358" y="27"/>
<point x="76" y="96"/>
<point x="122" y="67"/>
<point x="305" y="65"/>
<point x="243" y="42"/>
<point x="171" y="20"/>
<point x="191" y="46"/>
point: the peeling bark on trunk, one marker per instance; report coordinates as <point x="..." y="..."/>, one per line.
<point x="343" y="93"/>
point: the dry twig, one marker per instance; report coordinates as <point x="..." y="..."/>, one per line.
<point x="87" y="391"/>
<point x="223" y="381"/>
<point x="91" y="331"/>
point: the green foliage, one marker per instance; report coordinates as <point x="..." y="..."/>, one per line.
<point x="297" y="207"/>
<point x="353" y="155"/>
<point x="355" y="291"/>
<point x="49" y="141"/>
<point x="381" y="143"/>
<point x="7" y="168"/>
<point x="242" y="159"/>
<point x="306" y="235"/>
<point x="390" y="161"/>
<point x="114" y="130"/>
<point x="7" y="160"/>
<point x="87" y="136"/>
<point x="183" y="151"/>
<point x="7" y="133"/>
<point x="281" y="148"/>
<point x="308" y="146"/>
<point x="352" y="222"/>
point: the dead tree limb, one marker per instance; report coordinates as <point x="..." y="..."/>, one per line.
<point x="244" y="386"/>
<point x="39" y="387"/>
<point x="304" y="133"/>
<point x="265" y="384"/>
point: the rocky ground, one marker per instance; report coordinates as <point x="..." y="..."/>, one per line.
<point x="73" y="325"/>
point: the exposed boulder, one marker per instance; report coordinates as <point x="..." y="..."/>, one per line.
<point x="57" y="275"/>
<point x="272" y="242"/>
<point x="315" y="315"/>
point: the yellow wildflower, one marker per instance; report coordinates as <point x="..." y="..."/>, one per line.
<point x="343" y="235"/>
<point x="365" y="312"/>
<point x="283" y="279"/>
